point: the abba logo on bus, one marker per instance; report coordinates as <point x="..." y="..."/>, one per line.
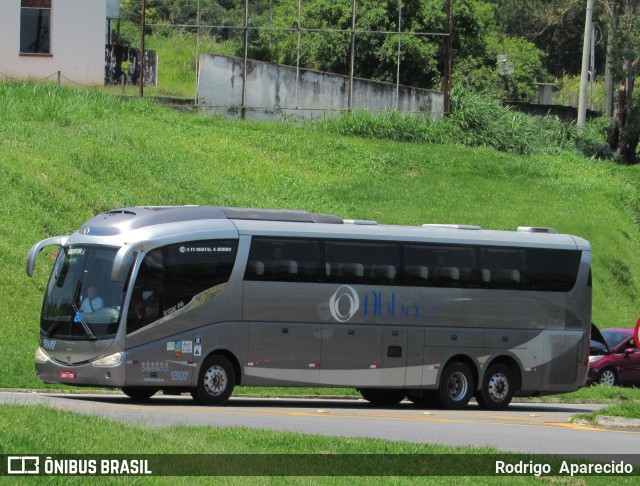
<point x="345" y="302"/>
<point x="380" y="304"/>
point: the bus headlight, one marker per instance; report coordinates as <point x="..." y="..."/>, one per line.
<point x="108" y="361"/>
<point x="41" y="356"/>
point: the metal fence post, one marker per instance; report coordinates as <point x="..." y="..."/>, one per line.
<point x="298" y="49"/>
<point x="353" y="53"/>
<point x="197" y="51"/>
<point x="398" y="66"/>
<point x="142" y="22"/>
<point x="447" y="59"/>
<point x="246" y="53"/>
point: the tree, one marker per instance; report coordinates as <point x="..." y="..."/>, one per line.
<point x="475" y="42"/>
<point x="555" y="27"/>
<point x="624" y="18"/>
<point x="325" y="39"/>
<point x="481" y="73"/>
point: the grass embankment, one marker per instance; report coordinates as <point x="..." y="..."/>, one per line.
<point x="70" y="154"/>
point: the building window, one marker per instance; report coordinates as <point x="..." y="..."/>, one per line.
<point x="35" y="27"/>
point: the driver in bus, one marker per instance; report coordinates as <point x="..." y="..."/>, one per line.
<point x="92" y="302"/>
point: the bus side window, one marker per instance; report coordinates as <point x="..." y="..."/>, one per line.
<point x="284" y="259"/>
<point x="504" y="268"/>
<point x="362" y="262"/>
<point x="147" y="291"/>
<point x="170" y="277"/>
<point x="553" y="270"/>
<point x="193" y="267"/>
<point x="440" y="266"/>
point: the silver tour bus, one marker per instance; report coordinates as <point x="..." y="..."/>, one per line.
<point x="202" y="299"/>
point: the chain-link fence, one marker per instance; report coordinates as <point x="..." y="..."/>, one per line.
<point x="385" y="41"/>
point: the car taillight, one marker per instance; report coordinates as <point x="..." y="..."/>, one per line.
<point x="586" y="358"/>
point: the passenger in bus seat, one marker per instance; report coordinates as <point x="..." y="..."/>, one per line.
<point x="146" y="307"/>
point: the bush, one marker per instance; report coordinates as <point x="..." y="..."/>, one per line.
<point x="478" y="121"/>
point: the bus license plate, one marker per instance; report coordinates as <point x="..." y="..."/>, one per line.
<point x="68" y="375"/>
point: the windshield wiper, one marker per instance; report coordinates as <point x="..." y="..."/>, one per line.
<point x="85" y="326"/>
<point x="82" y="322"/>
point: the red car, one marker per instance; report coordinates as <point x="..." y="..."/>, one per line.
<point x="616" y="361"/>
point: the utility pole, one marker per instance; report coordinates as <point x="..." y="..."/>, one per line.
<point x="608" y="73"/>
<point x="142" y="24"/>
<point x="246" y="54"/>
<point x="447" y="57"/>
<point x="584" y="74"/>
<point x="353" y="54"/>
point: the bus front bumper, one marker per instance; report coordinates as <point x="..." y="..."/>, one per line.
<point x="108" y="371"/>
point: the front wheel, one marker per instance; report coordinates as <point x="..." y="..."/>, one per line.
<point x="497" y="389"/>
<point x="608" y="377"/>
<point x="216" y="381"/>
<point x="456" y="386"/>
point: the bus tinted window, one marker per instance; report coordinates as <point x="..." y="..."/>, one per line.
<point x="432" y="265"/>
<point x="361" y="262"/>
<point x="504" y="268"/>
<point x="170" y="277"/>
<point x="553" y="270"/>
<point x="441" y="266"/>
<point x="285" y="259"/>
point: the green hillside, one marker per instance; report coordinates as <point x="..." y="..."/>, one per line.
<point x="67" y="154"/>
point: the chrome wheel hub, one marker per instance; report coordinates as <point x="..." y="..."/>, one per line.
<point x="215" y="381"/>
<point x="457" y="386"/>
<point x="498" y="387"/>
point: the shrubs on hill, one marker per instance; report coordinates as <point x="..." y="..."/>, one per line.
<point x="478" y="121"/>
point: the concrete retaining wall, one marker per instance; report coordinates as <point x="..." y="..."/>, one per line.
<point x="275" y="91"/>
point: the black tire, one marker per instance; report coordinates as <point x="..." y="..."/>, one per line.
<point x="608" y="377"/>
<point x="139" y="394"/>
<point x="216" y="381"/>
<point x="383" y="397"/>
<point x="497" y="389"/>
<point x="456" y="386"/>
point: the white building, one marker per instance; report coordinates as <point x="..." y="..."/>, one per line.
<point x="41" y="38"/>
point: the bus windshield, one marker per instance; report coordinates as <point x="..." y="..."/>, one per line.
<point x="81" y="302"/>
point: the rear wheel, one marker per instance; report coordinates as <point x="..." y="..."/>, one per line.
<point x="382" y="397"/>
<point x="608" y="377"/>
<point x="216" y="381"/>
<point x="139" y="394"/>
<point x="497" y="389"/>
<point x="456" y="386"/>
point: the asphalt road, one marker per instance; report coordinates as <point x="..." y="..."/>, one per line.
<point x="523" y="427"/>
